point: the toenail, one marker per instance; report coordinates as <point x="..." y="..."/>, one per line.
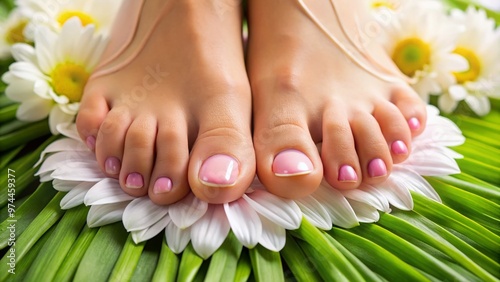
<point x="347" y="174"/>
<point x="399" y="148"/>
<point x="219" y="171"/>
<point x="90" y="142"/>
<point x="414" y="124"/>
<point x="291" y="163"/>
<point x="134" y="181"/>
<point x="377" y="168"/>
<point x="162" y="185"/>
<point x="112" y="165"/>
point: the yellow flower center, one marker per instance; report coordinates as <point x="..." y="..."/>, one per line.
<point x="68" y="80"/>
<point x="411" y="55"/>
<point x="84" y="18"/>
<point x="16" y="33"/>
<point x="383" y="4"/>
<point x="474" y="66"/>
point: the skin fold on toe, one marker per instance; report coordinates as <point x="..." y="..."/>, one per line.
<point x="307" y="90"/>
<point x="169" y="108"/>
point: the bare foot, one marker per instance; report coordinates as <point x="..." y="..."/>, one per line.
<point x="170" y="106"/>
<point x="306" y="90"/>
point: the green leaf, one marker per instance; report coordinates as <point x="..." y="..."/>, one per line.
<point x="9" y="155"/>
<point x="4" y="100"/>
<point x="298" y="262"/>
<point x="480" y="170"/>
<point x="266" y="264"/>
<point x="244" y="267"/>
<point x="190" y="264"/>
<point x="67" y="270"/>
<point x="102" y="254"/>
<point x="166" y="269"/>
<point x="25" y="134"/>
<point x="224" y="260"/>
<point x="127" y="262"/>
<point x="8" y="113"/>
<point x="52" y="255"/>
<point x="473" y="185"/>
<point x="149" y="260"/>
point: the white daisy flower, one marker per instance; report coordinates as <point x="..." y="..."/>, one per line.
<point x="478" y="43"/>
<point x="11" y="32"/>
<point x="55" y="13"/>
<point x="49" y="79"/>
<point x="421" y="42"/>
<point x="258" y="217"/>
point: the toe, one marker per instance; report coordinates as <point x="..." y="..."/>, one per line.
<point x="92" y="112"/>
<point x="338" y="152"/>
<point x="168" y="182"/>
<point x="110" y="141"/>
<point x="138" y="156"/>
<point x="412" y="107"/>
<point x="374" y="156"/>
<point x="395" y="129"/>
<point x="288" y="162"/>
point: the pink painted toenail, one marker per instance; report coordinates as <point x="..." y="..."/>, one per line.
<point x="162" y="185"/>
<point x="91" y="142"/>
<point x="377" y="168"/>
<point x="399" y="148"/>
<point x="112" y="166"/>
<point x="291" y="163"/>
<point x="219" y="171"/>
<point x="134" y="181"/>
<point x="414" y="124"/>
<point x="347" y="174"/>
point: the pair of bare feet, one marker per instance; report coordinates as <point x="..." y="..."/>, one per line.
<point x="174" y="107"/>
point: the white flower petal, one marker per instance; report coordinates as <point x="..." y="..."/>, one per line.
<point x="314" y="212"/>
<point x="142" y="213"/>
<point x="447" y="104"/>
<point x="397" y="195"/>
<point x="65" y="159"/>
<point x="63" y="185"/>
<point x="364" y="212"/>
<point x="339" y="209"/>
<point x="431" y="161"/>
<point x="187" y="211"/>
<point x="208" y="233"/>
<point x="20" y="90"/>
<point x="69" y="130"/>
<point x="34" y="110"/>
<point x="177" y="238"/>
<point x="244" y="221"/>
<point x="64" y="144"/>
<point x="414" y="182"/>
<point x="368" y="195"/>
<point x="23" y="52"/>
<point x="86" y="172"/>
<point x="106" y="191"/>
<point x="273" y="236"/>
<point x="75" y="197"/>
<point x="283" y="212"/>
<point x="480" y="105"/>
<point x="153" y="230"/>
<point x="105" y="214"/>
<point x="57" y="117"/>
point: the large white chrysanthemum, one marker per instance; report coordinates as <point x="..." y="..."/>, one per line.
<point x="257" y="217"/>
<point x="11" y="32"/>
<point x="55" y="13"/>
<point x="478" y="43"/>
<point x="421" y="42"/>
<point x="49" y="79"/>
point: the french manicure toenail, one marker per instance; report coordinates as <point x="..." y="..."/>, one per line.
<point x="134" y="181"/>
<point x="347" y="174"/>
<point x="162" y="185"/>
<point x="291" y="163"/>
<point x="414" y="124"/>
<point x="219" y="171"/>
<point x="399" y="148"/>
<point x="90" y="142"/>
<point x="377" y="168"/>
<point x="112" y="166"/>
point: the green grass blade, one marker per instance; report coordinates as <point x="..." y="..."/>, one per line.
<point x="224" y="260"/>
<point x="472" y="185"/>
<point x="28" y="211"/>
<point x="102" y="254"/>
<point x="480" y="170"/>
<point x="149" y="259"/>
<point x="47" y="217"/>
<point x="380" y="260"/>
<point x="298" y="262"/>
<point x="190" y="264"/>
<point x="127" y="261"/>
<point x="7" y="157"/>
<point x="47" y="263"/>
<point x="244" y="267"/>
<point x="166" y="269"/>
<point x="67" y="270"/>
<point x="24" y="134"/>
<point x="266" y="264"/>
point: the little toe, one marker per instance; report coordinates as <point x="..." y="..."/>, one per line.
<point x="374" y="156"/>
<point x="338" y="152"/>
<point x="412" y="107"/>
<point x="168" y="182"/>
<point x="138" y="156"/>
<point x="92" y="112"/>
<point x="395" y="129"/>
